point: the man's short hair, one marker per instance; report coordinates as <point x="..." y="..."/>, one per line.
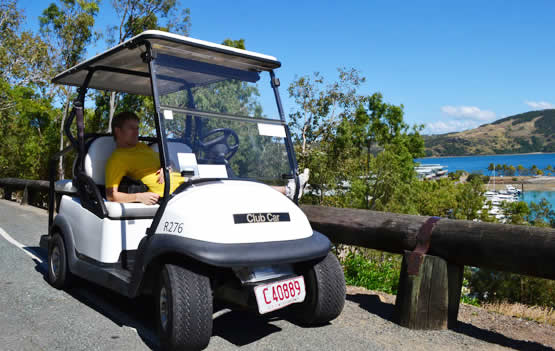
<point x="120" y="118"/>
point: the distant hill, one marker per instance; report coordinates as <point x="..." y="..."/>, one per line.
<point x="532" y="131"/>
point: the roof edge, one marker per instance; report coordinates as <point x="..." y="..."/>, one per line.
<point x="157" y="34"/>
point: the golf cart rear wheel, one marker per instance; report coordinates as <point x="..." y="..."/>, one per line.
<point x="184" y="309"/>
<point x="58" y="271"/>
<point x="325" y="293"/>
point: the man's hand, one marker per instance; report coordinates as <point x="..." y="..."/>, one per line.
<point x="148" y="198"/>
<point x="160" y="174"/>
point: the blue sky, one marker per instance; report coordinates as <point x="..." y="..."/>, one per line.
<point x="453" y="65"/>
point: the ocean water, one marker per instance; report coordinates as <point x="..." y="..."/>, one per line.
<point x="537" y="196"/>
<point x="480" y="163"/>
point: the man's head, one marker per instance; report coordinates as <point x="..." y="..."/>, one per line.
<point x="125" y="126"/>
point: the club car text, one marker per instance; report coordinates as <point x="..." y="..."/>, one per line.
<point x="261" y="217"/>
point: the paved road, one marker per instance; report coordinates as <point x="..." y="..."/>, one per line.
<point x="35" y="316"/>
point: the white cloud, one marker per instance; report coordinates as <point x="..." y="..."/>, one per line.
<point x="449" y="126"/>
<point x="540" y="105"/>
<point x="468" y="113"/>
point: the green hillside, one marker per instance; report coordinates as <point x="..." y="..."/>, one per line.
<point x="532" y="131"/>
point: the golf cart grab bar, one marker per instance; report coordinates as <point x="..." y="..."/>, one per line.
<point x="190" y="111"/>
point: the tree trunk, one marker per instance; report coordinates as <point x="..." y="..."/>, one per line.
<point x="368" y="176"/>
<point x="112" y="110"/>
<point x="304" y="140"/>
<point x="64" y="116"/>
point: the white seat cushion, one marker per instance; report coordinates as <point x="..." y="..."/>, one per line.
<point x="65" y="186"/>
<point x="118" y="210"/>
<point x="98" y="154"/>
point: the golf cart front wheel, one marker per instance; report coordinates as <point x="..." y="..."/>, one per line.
<point x="325" y="292"/>
<point x="58" y="271"/>
<point x="184" y="309"/>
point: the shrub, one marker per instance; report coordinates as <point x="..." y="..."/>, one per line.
<point x="372" y="270"/>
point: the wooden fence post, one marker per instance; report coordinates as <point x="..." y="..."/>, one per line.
<point x="430" y="298"/>
<point x="25" y="196"/>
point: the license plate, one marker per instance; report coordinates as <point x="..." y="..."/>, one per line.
<point x="273" y="296"/>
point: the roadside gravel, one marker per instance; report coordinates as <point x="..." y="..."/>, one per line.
<point x="476" y="328"/>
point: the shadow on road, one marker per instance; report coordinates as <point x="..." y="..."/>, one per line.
<point x="373" y="304"/>
<point x="243" y="328"/>
<point x="138" y="313"/>
<point x="496" y="338"/>
<point x="237" y="327"/>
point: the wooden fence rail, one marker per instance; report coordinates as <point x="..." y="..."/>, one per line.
<point x="511" y="248"/>
<point x="434" y="252"/>
<point x="29" y="187"/>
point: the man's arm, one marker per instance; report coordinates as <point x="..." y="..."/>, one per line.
<point x="148" y="198"/>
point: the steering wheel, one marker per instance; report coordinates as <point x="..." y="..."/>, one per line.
<point x="218" y="149"/>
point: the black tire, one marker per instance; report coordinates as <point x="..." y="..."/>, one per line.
<point x="325" y="293"/>
<point x="59" y="275"/>
<point x="184" y="309"/>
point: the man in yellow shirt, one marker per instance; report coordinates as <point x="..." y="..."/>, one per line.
<point x="136" y="160"/>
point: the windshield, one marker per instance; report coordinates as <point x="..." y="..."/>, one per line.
<point x="215" y="122"/>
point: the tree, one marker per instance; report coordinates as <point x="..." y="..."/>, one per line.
<point x="541" y="214"/>
<point x="534" y="170"/>
<point x="470" y="200"/>
<point x="321" y="106"/>
<point x="491" y="167"/>
<point x="26" y="112"/>
<point x="68" y="30"/>
<point x="23" y="55"/>
<point x="321" y="109"/>
<point x="516" y="212"/>
<point x="28" y="133"/>
<point x="136" y="16"/>
<point x="381" y="125"/>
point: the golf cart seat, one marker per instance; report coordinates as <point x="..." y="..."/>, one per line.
<point x="95" y="167"/>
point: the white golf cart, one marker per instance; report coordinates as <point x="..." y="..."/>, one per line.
<point x="225" y="234"/>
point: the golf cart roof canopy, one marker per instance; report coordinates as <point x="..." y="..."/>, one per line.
<point x="122" y="68"/>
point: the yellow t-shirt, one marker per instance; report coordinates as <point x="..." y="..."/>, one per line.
<point x="138" y="162"/>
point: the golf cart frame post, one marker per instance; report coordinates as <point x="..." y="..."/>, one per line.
<point x="149" y="58"/>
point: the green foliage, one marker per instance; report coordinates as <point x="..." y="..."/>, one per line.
<point x="23" y="55"/>
<point x="358" y="147"/>
<point x="456" y="175"/>
<point x="493" y="286"/>
<point x="483" y="178"/>
<point x="372" y="270"/>
<point x="69" y="29"/>
<point x="136" y="16"/>
<point x="516" y="212"/>
<point x="28" y="133"/>
<point x="542" y="214"/>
